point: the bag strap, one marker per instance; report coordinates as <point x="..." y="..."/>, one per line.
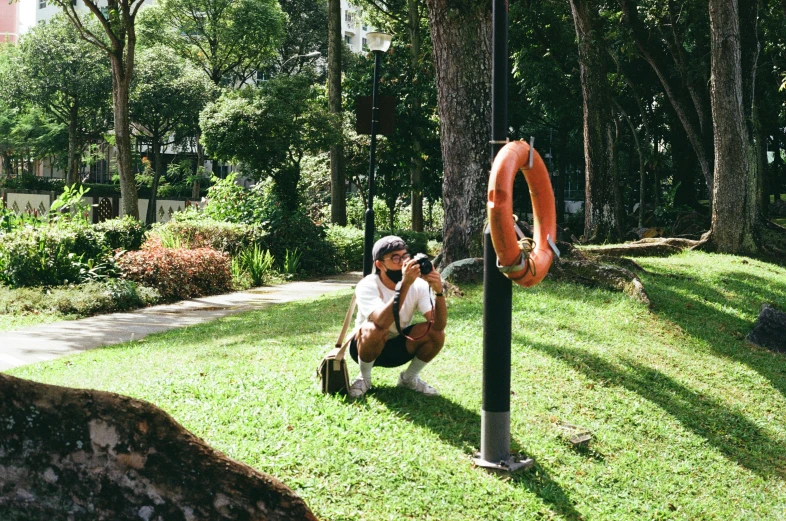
<point x="340" y="342"/>
<point x="396" y="318"/>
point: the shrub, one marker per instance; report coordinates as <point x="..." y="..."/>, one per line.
<point x="196" y="231"/>
<point x="178" y="273"/>
<point x="49" y="255"/>
<point x="417" y="242"/>
<point x="290" y="231"/>
<point x="123" y="233"/>
<point x="228" y="201"/>
<point x="347" y="244"/>
<point x="83" y="300"/>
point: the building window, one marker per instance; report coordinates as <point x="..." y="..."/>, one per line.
<point x="42" y="4"/>
<point x="365" y="44"/>
<point x="348" y="39"/>
<point x="349" y="16"/>
<point x="365" y="27"/>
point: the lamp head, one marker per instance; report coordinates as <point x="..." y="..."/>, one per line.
<point x="378" y="41"/>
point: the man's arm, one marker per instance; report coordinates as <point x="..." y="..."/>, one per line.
<point x="383" y="316"/>
<point x="440" y="311"/>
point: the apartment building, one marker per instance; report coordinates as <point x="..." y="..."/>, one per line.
<point x="353" y="28"/>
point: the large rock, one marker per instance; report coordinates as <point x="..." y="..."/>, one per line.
<point x="70" y="454"/>
<point x="464" y="271"/>
<point x="769" y="330"/>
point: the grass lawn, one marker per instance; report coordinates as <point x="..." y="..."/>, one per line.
<point x="689" y="421"/>
<point x="11" y="322"/>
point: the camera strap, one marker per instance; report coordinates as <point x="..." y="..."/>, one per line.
<point x="397" y="320"/>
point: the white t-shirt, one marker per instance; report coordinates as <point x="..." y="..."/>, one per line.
<point x="367" y="297"/>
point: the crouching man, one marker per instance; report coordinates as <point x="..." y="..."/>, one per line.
<point x="378" y="341"/>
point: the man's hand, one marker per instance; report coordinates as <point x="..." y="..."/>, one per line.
<point x="411" y="272"/>
<point x="434" y="280"/>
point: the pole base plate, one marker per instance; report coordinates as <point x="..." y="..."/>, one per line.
<point x="513" y="464"/>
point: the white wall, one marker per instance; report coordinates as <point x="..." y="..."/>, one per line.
<point x="22" y="202"/>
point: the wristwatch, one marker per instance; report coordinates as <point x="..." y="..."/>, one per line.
<point x="440" y="294"/>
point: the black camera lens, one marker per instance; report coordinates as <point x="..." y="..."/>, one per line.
<point x="425" y="263"/>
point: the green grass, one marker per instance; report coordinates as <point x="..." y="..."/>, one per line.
<point x="12" y="322"/>
<point x="688" y="419"/>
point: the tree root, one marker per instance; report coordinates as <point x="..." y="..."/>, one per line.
<point x="612" y="273"/>
<point x="644" y="248"/>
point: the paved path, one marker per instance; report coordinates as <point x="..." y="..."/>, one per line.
<point x="45" y="342"/>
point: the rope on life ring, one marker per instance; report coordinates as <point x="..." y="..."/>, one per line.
<point x="522" y="260"/>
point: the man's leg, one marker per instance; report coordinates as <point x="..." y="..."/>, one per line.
<point x="370" y="343"/>
<point x="424" y="349"/>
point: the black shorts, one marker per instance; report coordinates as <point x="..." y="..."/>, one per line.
<point x="393" y="354"/>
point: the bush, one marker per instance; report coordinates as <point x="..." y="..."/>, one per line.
<point x="178" y="273"/>
<point x="228" y="201"/>
<point x="195" y="230"/>
<point x="49" y="255"/>
<point x="417" y="242"/>
<point x="347" y="244"/>
<point x="82" y="300"/>
<point x="288" y="232"/>
<point x="123" y="233"/>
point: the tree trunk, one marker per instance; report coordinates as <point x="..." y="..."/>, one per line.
<point x="462" y="59"/>
<point x="120" y="88"/>
<point x="338" y="194"/>
<point x="734" y="206"/>
<point x="601" y="222"/>
<point x="416" y="162"/>
<point x="777" y="167"/>
<point x="158" y="164"/>
<point x="73" y="121"/>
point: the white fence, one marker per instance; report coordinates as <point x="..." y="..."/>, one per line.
<point x="101" y="207"/>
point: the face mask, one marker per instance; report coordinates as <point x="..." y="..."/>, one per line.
<point x="394" y="275"/>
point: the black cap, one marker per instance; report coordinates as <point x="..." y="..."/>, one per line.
<point x="386" y="245"/>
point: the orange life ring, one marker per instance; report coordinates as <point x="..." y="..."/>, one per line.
<point x="526" y="268"/>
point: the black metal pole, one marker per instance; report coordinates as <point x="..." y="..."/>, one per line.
<point x="497" y="289"/>
<point x="369" y="224"/>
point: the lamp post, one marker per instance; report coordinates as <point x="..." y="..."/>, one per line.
<point x="378" y="43"/>
<point x="314" y="54"/>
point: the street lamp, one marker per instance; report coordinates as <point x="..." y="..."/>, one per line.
<point x="378" y="43"/>
<point x="314" y="54"/>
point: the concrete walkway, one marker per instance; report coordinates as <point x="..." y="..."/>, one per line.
<point x="49" y="341"/>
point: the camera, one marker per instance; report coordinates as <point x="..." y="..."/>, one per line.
<point x="425" y="264"/>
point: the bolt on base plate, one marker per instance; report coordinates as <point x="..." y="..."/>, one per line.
<point x="513" y="464"/>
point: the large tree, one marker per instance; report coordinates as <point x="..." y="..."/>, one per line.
<point x="268" y="130"/>
<point x="601" y="213"/>
<point x="338" y="195"/>
<point x="117" y="38"/>
<point x="461" y="38"/>
<point x="166" y="98"/>
<point x="228" y="39"/>
<point x="58" y="71"/>
<point x="734" y="212"/>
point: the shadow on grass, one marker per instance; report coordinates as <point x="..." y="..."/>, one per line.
<point x="739" y="439"/>
<point x="693" y="304"/>
<point x="460" y="427"/>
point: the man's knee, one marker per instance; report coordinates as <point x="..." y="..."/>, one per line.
<point x="437" y="337"/>
<point x="370" y="341"/>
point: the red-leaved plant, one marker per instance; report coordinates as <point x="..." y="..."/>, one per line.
<point x="177" y="273"/>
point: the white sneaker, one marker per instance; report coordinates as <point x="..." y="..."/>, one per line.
<point x="358" y="388"/>
<point x="417" y="385"/>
